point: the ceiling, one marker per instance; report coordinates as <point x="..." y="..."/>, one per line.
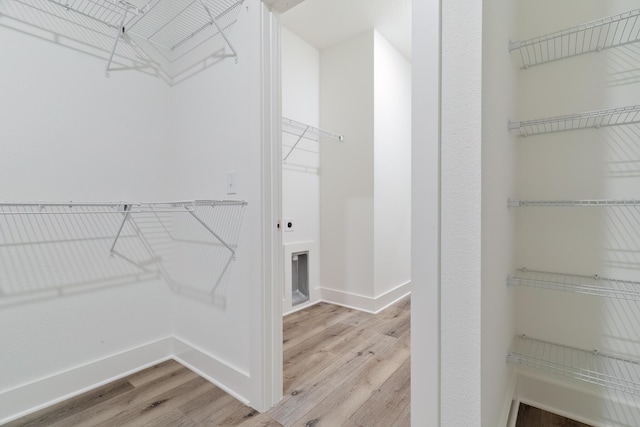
<point x="326" y="23"/>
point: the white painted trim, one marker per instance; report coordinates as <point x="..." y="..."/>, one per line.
<point x="303" y="306"/>
<point x="593" y="406"/>
<point x="47" y="391"/>
<point x="509" y="397"/>
<point x="365" y="303"/>
<point x="39" y="394"/>
<point x="514" y="413"/>
<point x="425" y="213"/>
<point x="266" y="301"/>
<point x="229" y="378"/>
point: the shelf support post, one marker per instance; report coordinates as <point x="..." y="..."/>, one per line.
<point x="233" y="253"/>
<point x="296" y="144"/>
<point x="224" y="36"/>
<point x="124" y="220"/>
<point x="107" y="72"/>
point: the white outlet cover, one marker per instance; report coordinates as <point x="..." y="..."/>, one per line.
<point x="289" y="224"/>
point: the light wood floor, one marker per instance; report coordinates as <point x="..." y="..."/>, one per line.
<point x="341" y="368"/>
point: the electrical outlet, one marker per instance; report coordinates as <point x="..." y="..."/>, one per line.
<point x="288" y="224"/>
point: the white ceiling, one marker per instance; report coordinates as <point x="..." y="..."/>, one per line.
<point x="326" y="23"/>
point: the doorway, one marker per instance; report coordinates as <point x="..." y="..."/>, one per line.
<point x="346" y="152"/>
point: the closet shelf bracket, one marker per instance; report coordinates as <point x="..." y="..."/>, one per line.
<point x="125" y="217"/>
<point x="587" y="285"/>
<point x="594" y="36"/>
<point x="590" y="119"/>
<point x="305" y="131"/>
<point x="594" y="367"/>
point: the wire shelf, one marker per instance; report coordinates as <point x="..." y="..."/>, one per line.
<point x="591" y="119"/>
<point x="124" y="209"/>
<point x="589" y="285"/>
<point x="110" y="13"/>
<point x="574" y="203"/>
<point x="302" y="130"/>
<point x="52" y="248"/>
<point x="160" y="31"/>
<point x="612" y="31"/>
<point x="593" y="367"/>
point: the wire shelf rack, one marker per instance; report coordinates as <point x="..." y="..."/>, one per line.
<point x="301" y="130"/>
<point x="612" y="31"/>
<point x="591" y="119"/>
<point x="124" y="209"/>
<point x="54" y="248"/>
<point x="589" y="285"/>
<point x="593" y="367"/>
<point x="159" y="31"/>
<point x="574" y="203"/>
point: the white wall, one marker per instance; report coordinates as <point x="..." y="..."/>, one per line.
<point x="216" y="128"/>
<point x="346" y="181"/>
<point x="68" y="133"/>
<point x="425" y="214"/>
<point x="365" y="182"/>
<point x="300" y="172"/>
<point x="460" y="214"/>
<point x="587" y="164"/>
<point x="392" y="167"/>
<point x="498" y="224"/>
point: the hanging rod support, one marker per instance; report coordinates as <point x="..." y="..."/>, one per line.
<point x="213" y="21"/>
<point x="120" y="30"/>
<point x="296" y="144"/>
<point x="233" y="252"/>
<point x="127" y="210"/>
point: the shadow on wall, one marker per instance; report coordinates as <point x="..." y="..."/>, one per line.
<point x="53" y="251"/>
<point x="623" y="65"/>
<point x="170" y="49"/>
<point x="300" y="154"/>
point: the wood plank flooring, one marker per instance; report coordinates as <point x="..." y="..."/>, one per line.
<point x="529" y="416"/>
<point x="341" y="368"/>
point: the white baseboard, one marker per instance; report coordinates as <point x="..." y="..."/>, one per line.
<point x="231" y="379"/>
<point x="509" y="412"/>
<point x="365" y="303"/>
<point x="31" y="397"/>
<point x="590" y="405"/>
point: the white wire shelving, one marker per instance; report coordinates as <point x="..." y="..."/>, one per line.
<point x="304" y="131"/>
<point x="588" y="285"/>
<point x="595" y="367"/>
<point x="51" y="249"/>
<point x="574" y="203"/>
<point x="124" y="209"/>
<point x="590" y="119"/>
<point x="164" y="31"/>
<point x="594" y="36"/>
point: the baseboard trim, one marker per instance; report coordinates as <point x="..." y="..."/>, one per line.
<point x="39" y="394"/>
<point x="231" y="379"/>
<point x="590" y="406"/>
<point x="364" y="303"/>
